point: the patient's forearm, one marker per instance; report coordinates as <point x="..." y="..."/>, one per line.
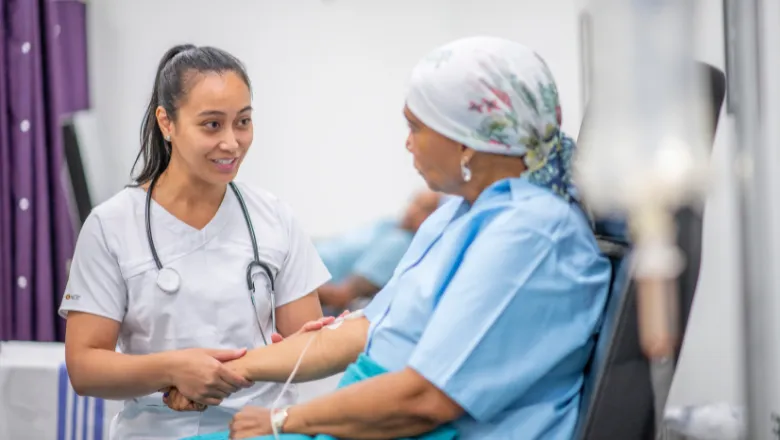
<point x="331" y="351"/>
<point x="393" y="405"/>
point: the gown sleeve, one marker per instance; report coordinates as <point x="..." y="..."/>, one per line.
<point x="516" y="319"/>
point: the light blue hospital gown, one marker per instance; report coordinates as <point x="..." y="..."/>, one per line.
<point x="497" y="305"/>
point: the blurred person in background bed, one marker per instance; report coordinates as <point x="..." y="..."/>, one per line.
<point x="362" y="261"/>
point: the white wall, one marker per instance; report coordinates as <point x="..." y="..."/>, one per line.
<point x="329" y="79"/>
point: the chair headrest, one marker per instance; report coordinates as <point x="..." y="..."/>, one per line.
<point x="613" y="228"/>
<point x="611" y="248"/>
<point x="612" y="236"/>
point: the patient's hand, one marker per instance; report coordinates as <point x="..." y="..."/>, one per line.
<point x="177" y="402"/>
<point x="311" y="326"/>
<point x="251" y="422"/>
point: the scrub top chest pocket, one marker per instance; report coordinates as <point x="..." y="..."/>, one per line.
<point x="157" y="321"/>
<point x="213" y="306"/>
<point x="197" y="291"/>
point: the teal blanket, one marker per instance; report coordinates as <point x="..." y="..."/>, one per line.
<point x="363" y="368"/>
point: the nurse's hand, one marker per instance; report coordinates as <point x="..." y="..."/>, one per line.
<point x="251" y="421"/>
<point x="199" y="374"/>
<point x="311" y="326"/>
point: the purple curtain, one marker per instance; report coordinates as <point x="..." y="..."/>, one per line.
<point x="43" y="78"/>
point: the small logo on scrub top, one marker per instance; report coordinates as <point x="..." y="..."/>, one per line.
<point x="69" y="297"/>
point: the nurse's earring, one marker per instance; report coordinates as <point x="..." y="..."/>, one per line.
<point x="168" y="144"/>
<point x="465" y="171"/>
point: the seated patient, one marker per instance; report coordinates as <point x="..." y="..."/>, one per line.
<point x="486" y="327"/>
<point x="362" y="262"/>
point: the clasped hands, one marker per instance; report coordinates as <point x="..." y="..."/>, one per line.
<point x="205" y="377"/>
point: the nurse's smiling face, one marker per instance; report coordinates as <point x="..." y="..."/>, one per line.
<point x="436" y="157"/>
<point x="213" y="127"/>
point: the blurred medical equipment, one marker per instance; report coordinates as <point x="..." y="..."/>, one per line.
<point x="753" y="49"/>
<point x="649" y="135"/>
<point x="707" y="422"/>
<point x="607" y="411"/>
<point x="169" y="280"/>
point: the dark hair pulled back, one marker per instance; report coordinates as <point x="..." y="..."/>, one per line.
<point x="178" y="64"/>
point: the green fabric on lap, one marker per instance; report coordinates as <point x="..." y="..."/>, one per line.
<point x="362" y="369"/>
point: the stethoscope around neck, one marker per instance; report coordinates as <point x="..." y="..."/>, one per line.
<point x="169" y="280"/>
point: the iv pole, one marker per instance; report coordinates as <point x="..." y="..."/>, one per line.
<point x="651" y="143"/>
<point x="755" y="88"/>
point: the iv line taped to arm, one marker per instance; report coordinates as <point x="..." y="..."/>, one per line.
<point x="332" y="326"/>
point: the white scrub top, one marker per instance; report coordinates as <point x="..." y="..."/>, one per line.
<point x="114" y="275"/>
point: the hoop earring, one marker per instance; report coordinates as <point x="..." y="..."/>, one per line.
<point x="465" y="172"/>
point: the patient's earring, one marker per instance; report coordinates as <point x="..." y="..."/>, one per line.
<point x="167" y="138"/>
<point x="465" y="172"/>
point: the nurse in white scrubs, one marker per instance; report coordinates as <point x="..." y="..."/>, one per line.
<point x="178" y="318"/>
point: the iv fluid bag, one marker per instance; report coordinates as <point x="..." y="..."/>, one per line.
<point x="645" y="141"/>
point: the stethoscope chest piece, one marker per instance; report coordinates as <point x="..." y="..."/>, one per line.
<point x="168" y="280"/>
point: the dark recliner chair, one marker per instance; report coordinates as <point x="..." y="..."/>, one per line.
<point x="618" y="401"/>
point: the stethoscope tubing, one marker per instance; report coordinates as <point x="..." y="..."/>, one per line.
<point x="255" y="263"/>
